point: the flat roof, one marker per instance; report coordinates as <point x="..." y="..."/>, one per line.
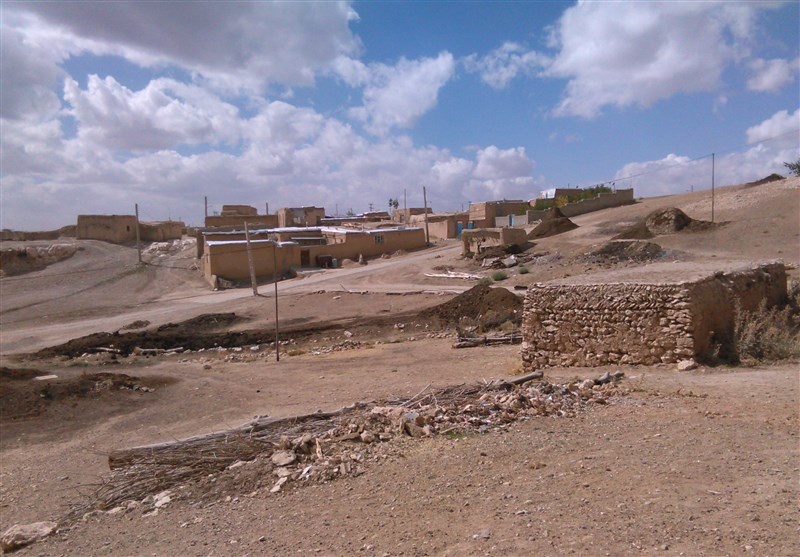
<point x="321" y="229"/>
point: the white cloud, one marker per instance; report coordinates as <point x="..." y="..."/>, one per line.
<point x="637" y="53"/>
<point x="503" y="64"/>
<point x="30" y="75"/>
<point x="678" y="174"/>
<point x="772" y="75"/>
<point x="165" y="114"/>
<point x="777" y="126"/>
<point x="232" y="44"/>
<point x="397" y="96"/>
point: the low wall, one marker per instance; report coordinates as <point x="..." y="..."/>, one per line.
<point x="161" y="231"/>
<point x="20" y="260"/>
<point x="602" y="201"/>
<point x="627" y="323"/>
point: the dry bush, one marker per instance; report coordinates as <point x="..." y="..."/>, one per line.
<point x="770" y="334"/>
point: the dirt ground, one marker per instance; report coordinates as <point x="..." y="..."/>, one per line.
<point x="696" y="463"/>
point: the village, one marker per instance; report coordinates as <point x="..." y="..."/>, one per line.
<point x="527" y="346"/>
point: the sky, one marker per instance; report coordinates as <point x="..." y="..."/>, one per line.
<point x="345" y="105"/>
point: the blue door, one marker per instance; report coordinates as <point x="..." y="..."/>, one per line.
<point x="459" y="229"/>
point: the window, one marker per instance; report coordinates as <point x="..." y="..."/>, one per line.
<point x="378" y="239"/>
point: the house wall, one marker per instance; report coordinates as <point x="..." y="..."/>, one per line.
<point x="266" y="221"/>
<point x="350" y="245"/>
<point x="161" y="231"/>
<point x="404" y="215"/>
<point x="602" y="201"/>
<point x="229" y="260"/>
<point x="116" y="229"/>
<point x="239" y="210"/>
<point x="300" y="216"/>
<point x="627" y="323"/>
<point x="442" y="226"/>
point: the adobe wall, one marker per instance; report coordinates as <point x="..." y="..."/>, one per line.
<point x="228" y="259"/>
<point x="628" y="323"/>
<point x="239" y="210"/>
<point x="267" y="221"/>
<point x="161" y="231"/>
<point x="116" y="229"/>
<point x="351" y="245"/>
<point x="602" y="201"/>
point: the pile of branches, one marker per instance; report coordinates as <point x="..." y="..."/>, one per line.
<point x="323" y="446"/>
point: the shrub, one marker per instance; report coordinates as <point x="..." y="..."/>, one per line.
<point x="485" y="281"/>
<point x="497" y="276"/>
<point x="523" y="270"/>
<point x="770" y="334"/>
<point x="794" y="167"/>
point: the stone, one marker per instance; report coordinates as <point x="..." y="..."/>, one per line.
<point x="687" y="365"/>
<point x="283" y="458"/>
<point x="278" y="485"/>
<point x="162" y="499"/>
<point x="21" y="535"/>
<point x="367" y="437"/>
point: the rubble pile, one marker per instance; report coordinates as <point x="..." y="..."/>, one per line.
<point x="321" y="447"/>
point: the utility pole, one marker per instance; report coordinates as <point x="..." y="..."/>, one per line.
<point x="266" y="208"/>
<point x="405" y="206"/>
<point x="138" y="239"/>
<point x="713" y="164"/>
<point x="250" y="260"/>
<point x="275" y="282"/>
<point x="205" y="198"/>
<point x="425" y="201"/>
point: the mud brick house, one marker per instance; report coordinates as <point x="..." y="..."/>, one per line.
<point x="225" y="252"/>
<point x="300" y="216"/>
<point x="633" y="321"/>
<point x="483" y="214"/>
<point x="120" y="229"/>
<point x="236" y="215"/>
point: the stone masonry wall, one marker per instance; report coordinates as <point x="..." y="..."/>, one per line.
<point x="624" y="323"/>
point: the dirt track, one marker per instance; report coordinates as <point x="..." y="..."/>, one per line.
<point x="699" y="463"/>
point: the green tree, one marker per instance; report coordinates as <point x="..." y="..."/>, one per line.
<point x="394" y="203"/>
<point x="794" y="167"/>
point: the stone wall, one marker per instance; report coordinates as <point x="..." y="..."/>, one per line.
<point x="627" y="323"/>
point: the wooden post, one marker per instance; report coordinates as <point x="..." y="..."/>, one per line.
<point x="425" y="201"/>
<point x="138" y="239"/>
<point x="405" y="207"/>
<point x="250" y="260"/>
<point x="713" y="163"/>
<point x="275" y="281"/>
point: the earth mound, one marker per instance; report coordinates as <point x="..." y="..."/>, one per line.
<point x="626" y="250"/>
<point x="22" y="397"/>
<point x="771" y="178"/>
<point x="489" y="307"/>
<point x="661" y="222"/>
<point x="553" y="223"/>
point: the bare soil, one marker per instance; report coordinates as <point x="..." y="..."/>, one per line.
<point x="704" y="462"/>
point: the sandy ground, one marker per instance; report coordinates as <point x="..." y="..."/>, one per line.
<point x="698" y="463"/>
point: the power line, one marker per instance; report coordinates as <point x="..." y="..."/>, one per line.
<point x="709" y="155"/>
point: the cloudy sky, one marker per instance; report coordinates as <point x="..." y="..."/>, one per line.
<point x="107" y="104"/>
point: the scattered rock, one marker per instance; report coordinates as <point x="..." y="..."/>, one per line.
<point x="687" y="365"/>
<point x="21" y="535"/>
<point x="283" y="458"/>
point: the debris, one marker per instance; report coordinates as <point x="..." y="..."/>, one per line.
<point x="323" y="446"/>
<point x="514" y="337"/>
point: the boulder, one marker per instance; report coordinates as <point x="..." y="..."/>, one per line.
<point x="21" y="535"/>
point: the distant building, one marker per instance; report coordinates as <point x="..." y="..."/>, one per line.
<point x="121" y="229"/>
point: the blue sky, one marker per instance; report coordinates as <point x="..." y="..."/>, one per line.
<point x="107" y="104"/>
